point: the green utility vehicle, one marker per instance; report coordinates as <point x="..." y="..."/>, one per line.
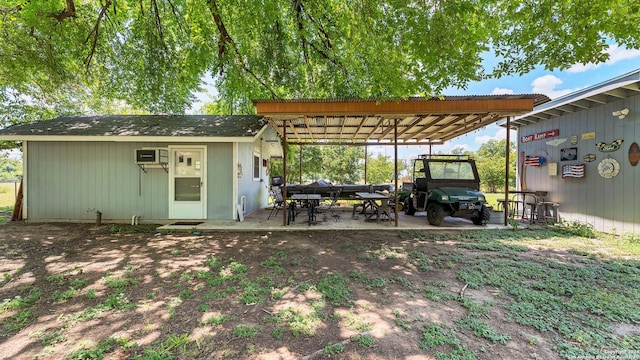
<point x="446" y="185"/>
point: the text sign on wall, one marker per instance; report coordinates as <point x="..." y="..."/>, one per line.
<point x="540" y="136"/>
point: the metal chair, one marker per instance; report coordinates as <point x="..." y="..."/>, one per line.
<point x="278" y="201"/>
<point x="332" y="205"/>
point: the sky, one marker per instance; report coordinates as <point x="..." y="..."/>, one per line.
<point x="551" y="83"/>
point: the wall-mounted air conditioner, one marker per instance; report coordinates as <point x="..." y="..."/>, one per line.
<point x="152" y="156"/>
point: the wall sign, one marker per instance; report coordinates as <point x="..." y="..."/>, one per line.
<point x="574" y="139"/>
<point x="573" y="171"/>
<point x="540" y="136"/>
<point x="568" y="154"/>
<point x="604" y="147"/>
<point x="556" y="142"/>
<point x="608" y="168"/>
<point x="535" y="160"/>
<point x="634" y="154"/>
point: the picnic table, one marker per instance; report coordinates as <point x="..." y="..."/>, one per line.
<point x="379" y="209"/>
<point x="308" y="200"/>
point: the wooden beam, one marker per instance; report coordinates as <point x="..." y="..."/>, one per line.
<point x="514" y="105"/>
<point x="306" y="123"/>
<point x="293" y="129"/>
<point x="362" y="122"/>
<point x="427" y="126"/>
<point x="374" y="129"/>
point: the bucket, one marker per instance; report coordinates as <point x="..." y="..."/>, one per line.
<point x="497" y="217"/>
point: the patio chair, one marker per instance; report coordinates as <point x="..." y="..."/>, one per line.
<point x="331" y="205"/>
<point x="278" y="201"/>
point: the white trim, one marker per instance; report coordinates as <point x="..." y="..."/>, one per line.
<point x="234" y="190"/>
<point x="24" y="181"/>
<point x="256" y="154"/>
<point x="120" y="138"/>
<point x="203" y="148"/>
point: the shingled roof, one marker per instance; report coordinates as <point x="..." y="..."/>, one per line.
<point x="137" y="126"/>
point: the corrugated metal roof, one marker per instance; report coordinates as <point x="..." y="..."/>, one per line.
<point x="538" y="99"/>
<point x="373" y="121"/>
<point x="143" y="125"/>
<point x="621" y="87"/>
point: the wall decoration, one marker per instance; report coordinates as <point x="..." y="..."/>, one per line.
<point x="574" y="139"/>
<point x="589" y="157"/>
<point x="568" y="154"/>
<point x="552" y="170"/>
<point x="535" y="160"/>
<point x="604" y="147"/>
<point x="540" y="136"/>
<point x="573" y="171"/>
<point x="608" y="168"/>
<point x="634" y="154"/>
<point x="556" y="142"/>
<point x="589" y="135"/>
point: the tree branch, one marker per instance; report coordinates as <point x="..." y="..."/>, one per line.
<point x="297" y="5"/>
<point x="94" y="34"/>
<point x="69" y="11"/>
<point x="157" y="19"/>
<point x="226" y="40"/>
<point x="14" y="10"/>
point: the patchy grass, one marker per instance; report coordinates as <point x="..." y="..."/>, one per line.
<point x="128" y="293"/>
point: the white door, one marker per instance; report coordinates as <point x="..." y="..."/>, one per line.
<point x="187" y="182"/>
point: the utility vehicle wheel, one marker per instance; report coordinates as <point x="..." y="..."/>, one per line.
<point x="483" y="217"/>
<point x="408" y="207"/>
<point x="435" y="214"/>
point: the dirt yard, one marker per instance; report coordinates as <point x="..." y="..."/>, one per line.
<point x="78" y="292"/>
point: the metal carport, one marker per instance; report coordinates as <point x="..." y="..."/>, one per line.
<point x="412" y="121"/>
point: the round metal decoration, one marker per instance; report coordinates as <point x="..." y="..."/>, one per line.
<point x="608" y="168"/>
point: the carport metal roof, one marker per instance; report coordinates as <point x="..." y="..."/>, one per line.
<point x="414" y="121"/>
<point x="420" y="121"/>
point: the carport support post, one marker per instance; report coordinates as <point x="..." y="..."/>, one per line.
<point x="284" y="173"/>
<point x="506" y="172"/>
<point x="395" y="170"/>
<point x="366" y="152"/>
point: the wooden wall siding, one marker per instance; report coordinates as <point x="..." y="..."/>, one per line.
<point x="68" y="178"/>
<point x="608" y="204"/>
<point x="220" y="173"/>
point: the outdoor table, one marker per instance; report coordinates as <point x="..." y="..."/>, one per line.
<point x="371" y="199"/>
<point x="311" y="200"/>
<point x="547" y="210"/>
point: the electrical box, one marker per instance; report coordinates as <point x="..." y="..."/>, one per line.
<point x="152" y="156"/>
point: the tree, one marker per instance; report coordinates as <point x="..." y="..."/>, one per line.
<point x="153" y="54"/>
<point x="490" y="161"/>
<point x="379" y="170"/>
<point x="343" y="164"/>
<point x="311" y="164"/>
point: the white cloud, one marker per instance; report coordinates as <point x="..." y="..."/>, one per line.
<point x="616" y="53"/>
<point x="501" y="91"/>
<point x="547" y="85"/>
<point x="499" y="135"/>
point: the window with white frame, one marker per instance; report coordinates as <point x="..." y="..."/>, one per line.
<point x="256" y="167"/>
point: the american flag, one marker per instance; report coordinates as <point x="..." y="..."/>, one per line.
<point x="573" y="171"/>
<point x="534" y="160"/>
